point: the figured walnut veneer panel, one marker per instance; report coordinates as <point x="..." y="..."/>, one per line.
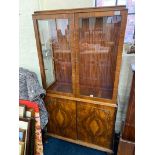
<point x="95" y="124"/>
<point x="62" y="117"/>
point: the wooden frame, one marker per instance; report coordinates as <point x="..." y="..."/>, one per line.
<point x="30" y="113"/>
<point x="123" y="14"/>
<point x="22" y="110"/>
<point x="126" y="147"/>
<point x="26" y="126"/>
<point x="21" y="148"/>
<point x="41" y="63"/>
<point x="77" y="10"/>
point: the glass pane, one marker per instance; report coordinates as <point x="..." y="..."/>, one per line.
<point x="55" y="35"/>
<point x="98" y="41"/>
<point x="130" y="29"/>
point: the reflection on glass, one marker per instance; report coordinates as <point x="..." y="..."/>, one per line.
<point x="54" y="36"/>
<point x="98" y="50"/>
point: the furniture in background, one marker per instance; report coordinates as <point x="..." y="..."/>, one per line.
<point x="35" y="145"/>
<point x="80" y="53"/>
<point x="127" y="140"/>
<point x="125" y="81"/>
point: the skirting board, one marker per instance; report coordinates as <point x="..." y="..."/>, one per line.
<point x="82" y="143"/>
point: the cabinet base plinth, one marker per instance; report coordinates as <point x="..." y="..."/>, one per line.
<point x="82" y="143"/>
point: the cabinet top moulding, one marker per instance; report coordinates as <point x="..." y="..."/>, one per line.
<point x="80" y="10"/>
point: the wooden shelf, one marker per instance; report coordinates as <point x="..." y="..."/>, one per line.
<point x="61" y="87"/>
<point x="98" y="92"/>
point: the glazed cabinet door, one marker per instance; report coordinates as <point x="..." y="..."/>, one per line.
<point x="95" y="124"/>
<point x="54" y="37"/>
<point x="99" y="45"/>
<point x="62" y="117"/>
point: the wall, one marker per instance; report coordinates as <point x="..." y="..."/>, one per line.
<point x="27" y="45"/>
<point x="63" y="4"/>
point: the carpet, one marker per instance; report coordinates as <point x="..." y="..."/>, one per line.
<point x="54" y="146"/>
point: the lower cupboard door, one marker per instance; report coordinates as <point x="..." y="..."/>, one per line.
<point x="95" y="124"/>
<point x="62" y="117"/>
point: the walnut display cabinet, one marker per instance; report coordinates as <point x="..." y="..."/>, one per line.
<point x="79" y="53"/>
